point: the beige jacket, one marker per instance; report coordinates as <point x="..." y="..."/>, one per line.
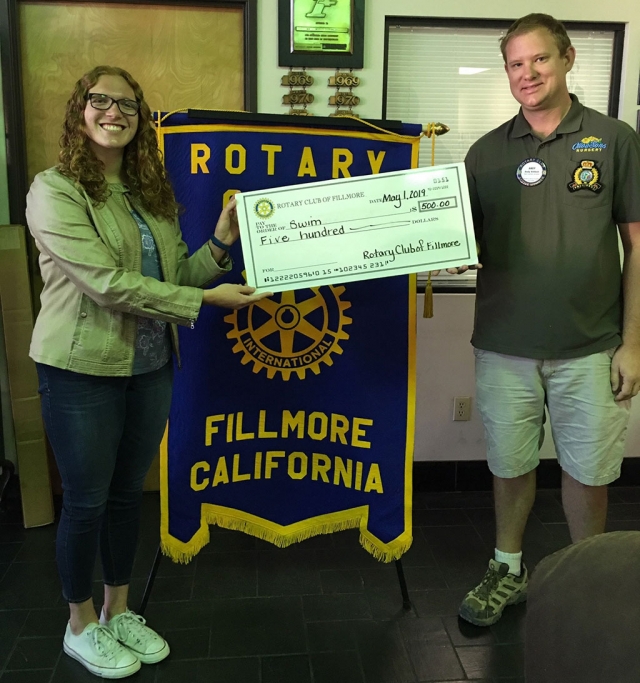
<point x="90" y="260"/>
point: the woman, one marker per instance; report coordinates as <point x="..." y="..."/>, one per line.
<point x="117" y="279"/>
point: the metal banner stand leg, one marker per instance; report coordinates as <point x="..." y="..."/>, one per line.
<point x="151" y="578"/>
<point x="406" y="600"/>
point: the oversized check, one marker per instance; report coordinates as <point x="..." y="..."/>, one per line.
<point x="356" y="228"/>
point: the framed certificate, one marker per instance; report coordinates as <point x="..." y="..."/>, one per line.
<point x="321" y="33"/>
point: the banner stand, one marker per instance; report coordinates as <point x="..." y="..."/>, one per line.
<point x="406" y="600"/>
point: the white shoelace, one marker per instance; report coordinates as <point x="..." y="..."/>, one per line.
<point x="105" y="642"/>
<point x="131" y="624"/>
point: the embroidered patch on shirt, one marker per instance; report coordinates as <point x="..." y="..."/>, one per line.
<point x="589" y="144"/>
<point x="586" y="177"/>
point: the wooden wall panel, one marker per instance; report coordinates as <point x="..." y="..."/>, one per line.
<point x="181" y="56"/>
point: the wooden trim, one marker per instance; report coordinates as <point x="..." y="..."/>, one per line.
<point x="12" y="94"/>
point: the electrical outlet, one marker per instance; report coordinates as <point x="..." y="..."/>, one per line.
<point x="462" y="408"/>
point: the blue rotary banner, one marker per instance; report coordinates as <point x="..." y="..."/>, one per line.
<point x="295" y="416"/>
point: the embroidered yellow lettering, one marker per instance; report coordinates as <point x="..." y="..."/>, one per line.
<point x="199" y="485"/>
<point x="200" y="154"/>
<point x="272" y="463"/>
<point x="357" y="432"/>
<point x="375" y="161"/>
<point x="301" y="472"/>
<point x="271" y="157"/>
<point x="235" y="159"/>
<point x="307" y="165"/>
<point x="374" y="480"/>
<point x="210" y="429"/>
<point x="235" y="474"/>
<point x="342" y="159"/>
<point x="221" y="475"/>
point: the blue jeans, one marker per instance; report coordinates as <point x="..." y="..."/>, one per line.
<point x="105" y="432"/>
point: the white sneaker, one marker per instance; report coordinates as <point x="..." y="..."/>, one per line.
<point x="98" y="651"/>
<point x="129" y="628"/>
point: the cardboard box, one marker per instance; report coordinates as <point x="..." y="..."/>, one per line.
<point x="17" y="319"/>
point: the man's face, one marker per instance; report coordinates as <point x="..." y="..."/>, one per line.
<point x="536" y="70"/>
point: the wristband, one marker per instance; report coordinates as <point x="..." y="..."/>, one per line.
<point x="219" y="244"/>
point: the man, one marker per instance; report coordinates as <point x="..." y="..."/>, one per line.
<point x="556" y="324"/>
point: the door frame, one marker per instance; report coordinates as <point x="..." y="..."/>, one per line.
<point x="12" y="93"/>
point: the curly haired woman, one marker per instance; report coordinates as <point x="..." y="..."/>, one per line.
<point x="117" y="280"/>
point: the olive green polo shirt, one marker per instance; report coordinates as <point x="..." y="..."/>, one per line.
<point x="550" y="286"/>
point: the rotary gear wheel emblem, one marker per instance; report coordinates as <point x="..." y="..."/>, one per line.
<point x="292" y="331"/>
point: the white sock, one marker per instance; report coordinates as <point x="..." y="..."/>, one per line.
<point x="514" y="560"/>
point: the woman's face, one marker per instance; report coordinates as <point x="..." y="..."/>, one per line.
<point x="109" y="129"/>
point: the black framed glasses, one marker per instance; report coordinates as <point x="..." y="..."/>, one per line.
<point x="104" y="102"/>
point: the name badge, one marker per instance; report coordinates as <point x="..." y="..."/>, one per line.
<point x="531" y="172"/>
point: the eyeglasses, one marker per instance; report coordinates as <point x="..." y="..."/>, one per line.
<point x="104" y="102"/>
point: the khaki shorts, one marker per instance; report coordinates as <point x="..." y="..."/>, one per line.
<point x="587" y="424"/>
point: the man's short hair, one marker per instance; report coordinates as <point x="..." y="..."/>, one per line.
<point x="533" y="22"/>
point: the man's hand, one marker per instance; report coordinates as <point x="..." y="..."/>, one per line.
<point x="232" y="296"/>
<point x="459" y="270"/>
<point x="625" y="372"/>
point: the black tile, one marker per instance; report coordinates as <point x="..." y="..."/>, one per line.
<point x="12" y="533"/>
<point x="229" y="575"/>
<point x="29" y="584"/>
<point x="381" y="577"/>
<point x="8" y="551"/>
<point x="386" y="604"/>
<point x="33" y="676"/>
<point x="458" y="499"/>
<point x="424" y="578"/>
<point x="624" y="511"/>
<point x="46" y="622"/>
<point x="438" y="602"/>
<point x="342" y="581"/>
<point x="351" y="556"/>
<point x="630" y="475"/>
<point x="419" y="554"/>
<point x="461" y="632"/>
<point x="473" y="475"/>
<point x="165" y="589"/>
<point x="11" y="622"/>
<point x="35" y="653"/>
<point x="257" y="626"/>
<point x="325" y="666"/>
<point x="510" y="627"/>
<point x="225" y="540"/>
<point x="288" y="571"/>
<point x="335" y="607"/>
<point x="492" y="661"/>
<point x="331" y="636"/>
<point x="383" y="654"/>
<point x="426" y="630"/>
<point x="624" y="494"/>
<point x="547" y="508"/>
<point x="434" y="662"/>
<point x="192" y="643"/>
<point x="434" y="476"/>
<point x="452" y="517"/>
<point x="286" y="669"/>
<point x="179" y="615"/>
<point x="232" y="670"/>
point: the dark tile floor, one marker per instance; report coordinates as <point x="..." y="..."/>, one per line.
<point x="322" y="611"/>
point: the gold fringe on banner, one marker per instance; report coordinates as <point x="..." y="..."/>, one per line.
<point x="267" y="531"/>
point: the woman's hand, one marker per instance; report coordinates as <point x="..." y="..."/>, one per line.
<point x="227" y="230"/>
<point x="232" y="296"/>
